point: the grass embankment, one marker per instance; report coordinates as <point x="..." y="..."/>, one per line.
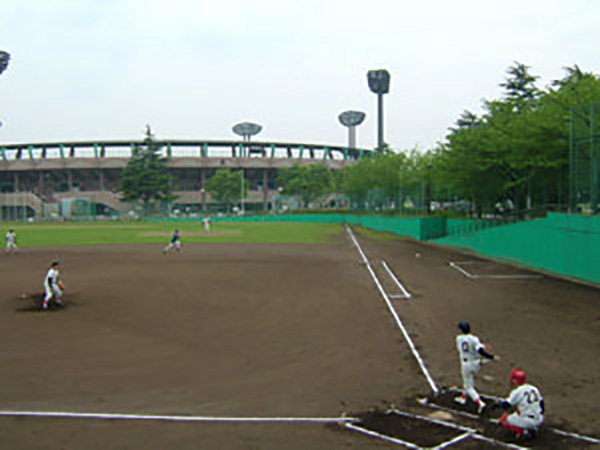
<point x="105" y="233"/>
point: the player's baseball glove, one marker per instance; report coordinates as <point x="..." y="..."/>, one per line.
<point x="61" y="285"/>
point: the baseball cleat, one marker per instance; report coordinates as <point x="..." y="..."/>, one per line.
<point x="460" y="400"/>
<point x="480" y="407"/>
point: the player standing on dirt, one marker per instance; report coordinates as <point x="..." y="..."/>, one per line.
<point x="11" y="241"/>
<point x="53" y="286"/>
<point x="528" y="405"/>
<point x="470" y="351"/>
<point x="175" y="243"/>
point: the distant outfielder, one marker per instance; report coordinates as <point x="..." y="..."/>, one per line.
<point x="471" y="351"/>
<point x="174" y="244"/>
<point x="206" y="223"/>
<point x="53" y="286"/>
<point x="528" y="405"/>
<point x="11" y="241"/>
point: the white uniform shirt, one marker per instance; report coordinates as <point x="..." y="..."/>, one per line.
<point x="527" y="400"/>
<point x="11" y="238"/>
<point x="52" y="275"/>
<point x="468" y="347"/>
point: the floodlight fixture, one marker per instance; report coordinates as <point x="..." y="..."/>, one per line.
<point x="246" y="130"/>
<point x="379" y="83"/>
<point x="351" y="119"/>
<point x="4" y="60"/>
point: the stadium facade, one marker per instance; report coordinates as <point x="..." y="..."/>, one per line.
<point x="71" y="179"/>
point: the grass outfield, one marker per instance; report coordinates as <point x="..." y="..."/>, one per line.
<point x="94" y="233"/>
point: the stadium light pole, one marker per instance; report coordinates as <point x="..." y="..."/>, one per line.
<point x="351" y="119"/>
<point x="246" y="130"/>
<point x="4" y="60"/>
<point x="379" y="83"/>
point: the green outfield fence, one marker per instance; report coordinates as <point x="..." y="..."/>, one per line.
<point x="567" y="245"/>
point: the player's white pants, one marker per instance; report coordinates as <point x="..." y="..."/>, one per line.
<point x="11" y="247"/>
<point x="175" y="245"/>
<point x="525" y="422"/>
<point x="469" y="370"/>
<point x="53" y="291"/>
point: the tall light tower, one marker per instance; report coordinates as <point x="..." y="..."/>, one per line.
<point x="4" y="59"/>
<point x="351" y="119"/>
<point x="246" y="130"/>
<point x="379" y="83"/>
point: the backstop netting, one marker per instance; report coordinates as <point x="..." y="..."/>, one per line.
<point x="584" y="148"/>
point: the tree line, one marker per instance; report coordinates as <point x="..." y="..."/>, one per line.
<point x="515" y="152"/>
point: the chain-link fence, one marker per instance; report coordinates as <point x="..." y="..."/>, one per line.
<point x="584" y="158"/>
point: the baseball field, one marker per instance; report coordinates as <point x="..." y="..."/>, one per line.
<point x="280" y="336"/>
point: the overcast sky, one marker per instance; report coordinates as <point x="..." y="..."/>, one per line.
<point x="103" y="69"/>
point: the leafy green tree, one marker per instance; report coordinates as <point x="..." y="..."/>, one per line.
<point x="520" y="89"/>
<point x="308" y="183"/>
<point x="146" y="177"/>
<point x="225" y="186"/>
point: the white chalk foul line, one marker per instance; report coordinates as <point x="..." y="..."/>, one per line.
<point x="394" y="314"/>
<point x="172" y="418"/>
<point x="405" y="293"/>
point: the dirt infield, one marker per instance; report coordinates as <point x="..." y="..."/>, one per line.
<point x="271" y="331"/>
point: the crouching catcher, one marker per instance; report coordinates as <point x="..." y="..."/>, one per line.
<point x="527" y="405"/>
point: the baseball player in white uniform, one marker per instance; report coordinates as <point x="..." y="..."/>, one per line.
<point x="470" y="351"/>
<point x="528" y="406"/>
<point x="206" y="223"/>
<point x="11" y="241"/>
<point x="53" y="286"/>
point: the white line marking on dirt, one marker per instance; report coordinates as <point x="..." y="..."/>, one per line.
<point x="581" y="437"/>
<point x="394" y="314"/>
<point x="462" y="437"/>
<point x="577" y="436"/>
<point x="474" y="433"/>
<point x="113" y="416"/>
<point x="461" y="270"/>
<point x="382" y="436"/>
<point x="511" y="277"/>
<point x="457" y="266"/>
<point x="429" y="419"/>
<point x="494" y="441"/>
<point x="400" y="286"/>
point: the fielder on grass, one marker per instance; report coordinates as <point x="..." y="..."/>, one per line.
<point x="470" y="351"/>
<point x="527" y="404"/>
<point x="53" y="286"/>
<point x="174" y="243"/>
<point x="11" y="241"/>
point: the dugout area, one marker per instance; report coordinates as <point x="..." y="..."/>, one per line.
<point x="270" y="331"/>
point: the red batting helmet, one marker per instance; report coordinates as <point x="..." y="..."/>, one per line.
<point x="518" y="377"/>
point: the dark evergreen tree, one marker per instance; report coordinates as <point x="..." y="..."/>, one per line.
<point x="146" y="178"/>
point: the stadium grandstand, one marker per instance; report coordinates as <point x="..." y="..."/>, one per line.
<point x="76" y="179"/>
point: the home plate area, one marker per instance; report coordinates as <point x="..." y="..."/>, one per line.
<point x="449" y="425"/>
